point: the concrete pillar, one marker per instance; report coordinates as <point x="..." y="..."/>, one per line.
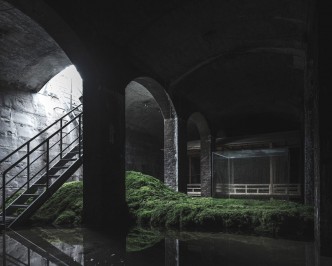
<point x="206" y="169"/>
<point x="325" y="108"/>
<point x="104" y="172"/>
<point x="171" y="165"/>
<point x="175" y="147"/>
<point x="308" y="152"/>
<point x="316" y="125"/>
<point x="182" y="155"/>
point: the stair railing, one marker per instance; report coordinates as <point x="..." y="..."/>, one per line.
<point x="40" y="153"/>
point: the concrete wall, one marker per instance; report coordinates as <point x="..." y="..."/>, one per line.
<point x="144" y="154"/>
<point x="23" y="115"/>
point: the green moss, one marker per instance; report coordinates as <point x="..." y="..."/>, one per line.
<point x="64" y="207"/>
<point x="152" y="204"/>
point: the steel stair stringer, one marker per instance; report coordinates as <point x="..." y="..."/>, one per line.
<point x="43" y="197"/>
<point x="42" y="170"/>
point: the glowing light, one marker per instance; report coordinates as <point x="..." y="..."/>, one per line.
<point x="67" y="86"/>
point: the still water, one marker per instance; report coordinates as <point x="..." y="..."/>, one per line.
<point x="81" y="246"/>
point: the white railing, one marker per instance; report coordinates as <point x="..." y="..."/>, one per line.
<point x="259" y="189"/>
<point x="194" y="190"/>
<point x="287" y="189"/>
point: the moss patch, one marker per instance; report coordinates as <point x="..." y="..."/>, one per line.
<point x="152" y="204"/>
<point x="64" y="207"/>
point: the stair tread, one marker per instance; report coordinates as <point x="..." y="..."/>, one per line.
<point x="8" y="218"/>
<point x="36" y="195"/>
<point x="19" y="205"/>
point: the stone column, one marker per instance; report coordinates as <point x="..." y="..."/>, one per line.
<point x="325" y="108"/>
<point x="311" y="126"/>
<point x="206" y="169"/>
<point x="104" y="142"/>
<point x="183" y="167"/>
<point x="175" y="156"/>
<point x="171" y="165"/>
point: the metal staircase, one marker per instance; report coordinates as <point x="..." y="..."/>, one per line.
<point x="34" y="171"/>
<point x="34" y="246"/>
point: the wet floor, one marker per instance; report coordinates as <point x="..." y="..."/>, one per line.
<point x="81" y="246"/>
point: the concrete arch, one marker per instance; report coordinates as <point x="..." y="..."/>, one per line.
<point x="170" y="129"/>
<point x="62" y="34"/>
<point x="201" y="123"/>
<point x="205" y="152"/>
<point x="103" y="118"/>
<point x="160" y="95"/>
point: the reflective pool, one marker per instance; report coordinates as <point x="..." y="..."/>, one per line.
<point x="81" y="246"/>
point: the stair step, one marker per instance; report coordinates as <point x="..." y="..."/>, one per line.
<point x="19" y="206"/>
<point x="60" y="167"/>
<point x="73" y="152"/>
<point x="30" y="195"/>
<point x="39" y="185"/>
<point x="53" y="176"/>
<point x="8" y="220"/>
<point x="69" y="160"/>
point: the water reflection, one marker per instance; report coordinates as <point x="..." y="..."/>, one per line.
<point x="80" y="246"/>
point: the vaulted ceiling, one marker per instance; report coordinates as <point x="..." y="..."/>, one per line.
<point x="239" y="63"/>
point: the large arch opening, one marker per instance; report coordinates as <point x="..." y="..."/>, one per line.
<point x="151" y="131"/>
<point x="38" y="41"/>
<point x="199" y="155"/>
<point x="38" y="85"/>
<point x="144" y="132"/>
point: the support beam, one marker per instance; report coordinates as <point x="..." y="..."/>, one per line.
<point x="175" y="156"/>
<point x="170" y="154"/>
<point x="323" y="203"/>
<point x="206" y="169"/>
<point x="271" y="172"/>
<point x="104" y="173"/>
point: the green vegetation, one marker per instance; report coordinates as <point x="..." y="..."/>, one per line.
<point x="152" y="204"/>
<point x="64" y="207"/>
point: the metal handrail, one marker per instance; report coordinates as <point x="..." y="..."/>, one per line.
<point x="46" y="168"/>
<point x="40" y="144"/>
<point x="36" y="148"/>
<point x="41" y="132"/>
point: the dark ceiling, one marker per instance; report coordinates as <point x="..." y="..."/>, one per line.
<point x="29" y="57"/>
<point x="239" y="63"/>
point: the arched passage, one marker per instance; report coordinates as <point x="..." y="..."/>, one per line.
<point x="44" y="43"/>
<point x="198" y="121"/>
<point x="149" y="109"/>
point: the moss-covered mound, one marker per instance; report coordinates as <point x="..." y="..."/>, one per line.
<point x="151" y="203"/>
<point x="64" y="207"/>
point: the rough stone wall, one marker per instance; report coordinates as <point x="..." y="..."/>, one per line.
<point x="22" y="116"/>
<point x="171" y="165"/>
<point x="206" y="174"/>
<point x="144" y="154"/>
